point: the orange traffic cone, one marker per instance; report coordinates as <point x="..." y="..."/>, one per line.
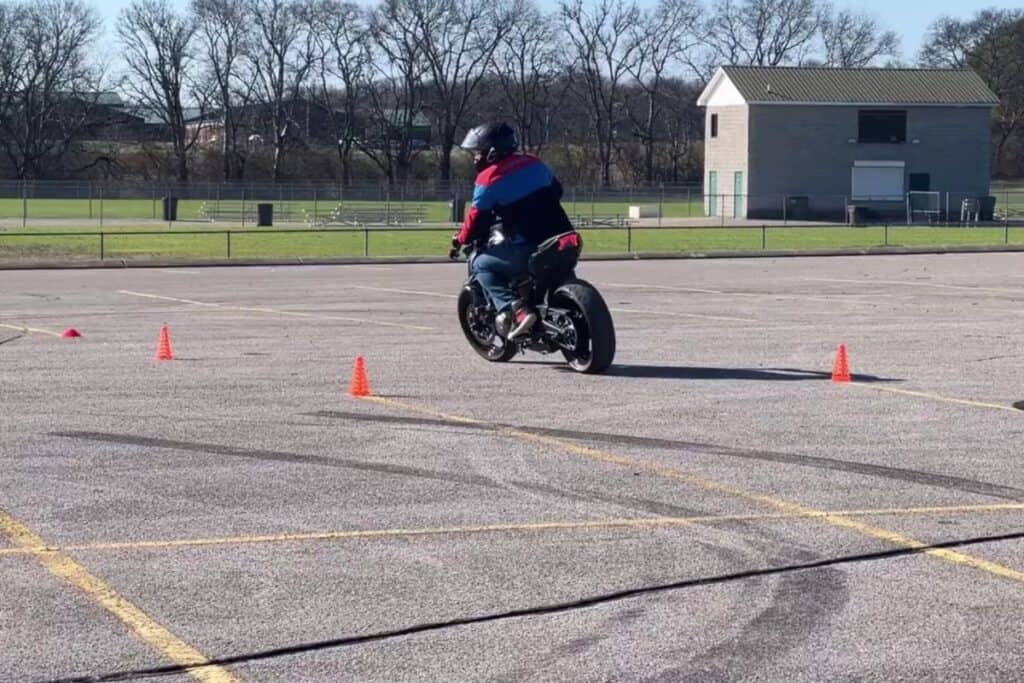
<point x="360" y="385"/>
<point x="163" y="349"/>
<point x="841" y="369"/>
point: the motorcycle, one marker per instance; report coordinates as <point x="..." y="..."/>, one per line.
<point x="572" y="317"/>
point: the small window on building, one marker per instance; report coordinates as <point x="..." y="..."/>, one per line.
<point x="714" y="125"/>
<point x="882" y="125"/>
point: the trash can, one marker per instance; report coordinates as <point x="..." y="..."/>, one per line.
<point x="170" y="208"/>
<point x="856" y="215"/>
<point x="798" y="208"/>
<point x="986" y="209"/>
<point x="458" y="210"/>
<point x="264" y="215"/>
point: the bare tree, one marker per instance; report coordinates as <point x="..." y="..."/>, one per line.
<point x="602" y="56"/>
<point x="161" y="71"/>
<point x="396" y="88"/>
<point x="854" y="39"/>
<point x="342" y="68"/>
<point x="662" y="37"/>
<point x="998" y="57"/>
<point x="281" y="57"/>
<point x="458" y="38"/>
<point x="948" y="43"/>
<point x="991" y="43"/>
<point x="526" y="63"/>
<point x="223" y="37"/>
<point x="764" y="32"/>
<point x="48" y="91"/>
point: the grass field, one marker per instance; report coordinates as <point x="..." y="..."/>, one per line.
<point x="93" y="211"/>
<point x="271" y="243"/>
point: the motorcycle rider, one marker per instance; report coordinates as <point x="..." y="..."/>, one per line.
<point x="523" y="193"/>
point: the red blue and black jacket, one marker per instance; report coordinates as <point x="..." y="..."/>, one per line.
<point x="521" y="191"/>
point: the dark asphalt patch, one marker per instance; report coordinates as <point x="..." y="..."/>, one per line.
<point x="894" y="473"/>
<point x="1019" y="405"/>
<point x="10" y="339"/>
<point x="278" y="456"/>
<point x="707" y="373"/>
<point x="541" y="610"/>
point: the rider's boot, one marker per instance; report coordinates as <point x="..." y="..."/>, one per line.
<point x="518" y="319"/>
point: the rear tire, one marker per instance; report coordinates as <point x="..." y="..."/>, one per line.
<point x="494" y="349"/>
<point x="595" y="329"/>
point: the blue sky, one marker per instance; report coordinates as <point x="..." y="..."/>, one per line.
<point x="909" y="18"/>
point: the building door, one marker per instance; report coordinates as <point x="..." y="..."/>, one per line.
<point x="738" y="208"/>
<point x="713" y="193"/>
<point x="920" y="182"/>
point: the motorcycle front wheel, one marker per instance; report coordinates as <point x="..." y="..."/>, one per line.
<point x="479" y="331"/>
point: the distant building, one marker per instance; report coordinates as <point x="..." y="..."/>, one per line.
<point x="810" y="142"/>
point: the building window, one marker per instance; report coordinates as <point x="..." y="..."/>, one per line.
<point x="714" y="125"/>
<point x="878" y="181"/>
<point x="882" y="125"/>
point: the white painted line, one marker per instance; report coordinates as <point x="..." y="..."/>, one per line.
<point x="674" y="314"/>
<point x="755" y="295"/>
<point x="404" y="291"/>
<point x="638" y="311"/>
<point x="276" y="311"/>
<point x="168" y="298"/>
<point x="906" y="283"/>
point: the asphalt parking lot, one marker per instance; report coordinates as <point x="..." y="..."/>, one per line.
<point x="713" y="508"/>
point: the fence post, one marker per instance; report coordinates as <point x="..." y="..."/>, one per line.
<point x="1006" y="232"/>
<point x="243" y="206"/>
<point x="153" y="191"/>
<point x="629" y="238"/>
<point x="101" y="205"/>
<point x="102" y="246"/>
<point x="24" y="203"/>
<point x="90" y="200"/>
<point x="366" y="241"/>
<point x="764" y="237"/>
<point x="227" y="236"/>
<point x="886" y="235"/>
<point x="947" y="209"/>
<point x="316" y="205"/>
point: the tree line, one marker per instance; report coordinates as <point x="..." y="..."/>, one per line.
<point x="605" y="87"/>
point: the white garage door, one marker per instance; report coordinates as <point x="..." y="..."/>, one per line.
<point x="878" y="180"/>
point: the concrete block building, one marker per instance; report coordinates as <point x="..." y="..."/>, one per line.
<point x="808" y="143"/>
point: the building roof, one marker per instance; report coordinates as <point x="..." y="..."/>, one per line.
<point x="824" y="85"/>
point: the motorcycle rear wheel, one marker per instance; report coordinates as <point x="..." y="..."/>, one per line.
<point x="595" y="345"/>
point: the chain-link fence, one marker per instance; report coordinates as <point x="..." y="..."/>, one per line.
<point x="40" y="205"/>
<point x="307" y="204"/>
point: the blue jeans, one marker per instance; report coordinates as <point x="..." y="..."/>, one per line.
<point x="495" y="267"/>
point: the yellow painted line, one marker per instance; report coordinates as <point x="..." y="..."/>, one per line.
<point x="275" y="311"/>
<point x="25" y="328"/>
<point x="625" y="523"/>
<point x="796" y="509"/>
<point x="142" y="625"/>
<point x="937" y="397"/>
